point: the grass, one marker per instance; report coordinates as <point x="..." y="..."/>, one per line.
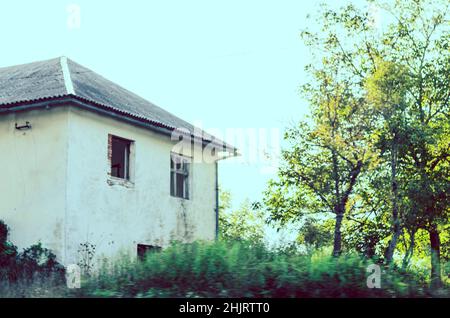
<point x="223" y="269"/>
<point x="36" y="287"/>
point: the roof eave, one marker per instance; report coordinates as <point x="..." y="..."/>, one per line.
<point x="64" y="100"/>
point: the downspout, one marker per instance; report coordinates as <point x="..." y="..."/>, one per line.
<point x="235" y="153"/>
<point x="217" y="201"/>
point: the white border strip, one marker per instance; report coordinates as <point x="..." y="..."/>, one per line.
<point x="66" y="74"/>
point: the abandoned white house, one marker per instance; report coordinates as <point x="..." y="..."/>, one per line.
<point x="85" y="160"/>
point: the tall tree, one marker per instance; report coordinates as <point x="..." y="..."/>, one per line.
<point x="386" y="91"/>
<point x="327" y="154"/>
<point x="420" y="40"/>
<point x="416" y="37"/>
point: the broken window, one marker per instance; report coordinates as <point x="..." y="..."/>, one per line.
<point x="120" y="157"/>
<point x="143" y="249"/>
<point x="179" y="176"/>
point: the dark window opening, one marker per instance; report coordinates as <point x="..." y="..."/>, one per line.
<point x="143" y="249"/>
<point x="120" y="158"/>
<point x="179" y="176"/>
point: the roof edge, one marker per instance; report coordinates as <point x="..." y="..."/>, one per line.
<point x="71" y="99"/>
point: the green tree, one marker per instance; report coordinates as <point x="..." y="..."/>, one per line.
<point x="422" y="39"/>
<point x="242" y="224"/>
<point x="315" y="234"/>
<point x="386" y="91"/>
<point x="326" y="155"/>
<point x="415" y="41"/>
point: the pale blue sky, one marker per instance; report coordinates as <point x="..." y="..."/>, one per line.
<point x="225" y="63"/>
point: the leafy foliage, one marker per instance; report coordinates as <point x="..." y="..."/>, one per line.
<point x="240" y="269"/>
<point x="32" y="261"/>
<point x="315" y="234"/>
<point x="37" y="259"/>
<point x="8" y="252"/>
<point x="375" y="151"/>
<point x="243" y="223"/>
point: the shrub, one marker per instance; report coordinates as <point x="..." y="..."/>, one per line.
<point x="33" y="261"/>
<point x="37" y="259"/>
<point x="241" y="269"/>
<point x="8" y="253"/>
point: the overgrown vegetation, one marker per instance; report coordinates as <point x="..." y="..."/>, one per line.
<point x="243" y="269"/>
<point x="214" y="269"/>
<point x="34" y="272"/>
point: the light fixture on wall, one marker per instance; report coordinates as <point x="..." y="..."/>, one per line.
<point x="23" y="127"/>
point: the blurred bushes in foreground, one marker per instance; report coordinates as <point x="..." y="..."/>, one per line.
<point x="209" y="269"/>
<point x="240" y="269"/>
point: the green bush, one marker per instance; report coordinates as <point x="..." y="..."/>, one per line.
<point x="37" y="259"/>
<point x="224" y="269"/>
<point x="8" y="252"/>
<point x="31" y="262"/>
<point x="209" y="269"/>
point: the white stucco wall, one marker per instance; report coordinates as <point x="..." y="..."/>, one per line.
<point x="57" y="188"/>
<point x="33" y="178"/>
<point x="113" y="216"/>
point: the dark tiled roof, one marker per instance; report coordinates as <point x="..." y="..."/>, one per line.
<point x="32" y="81"/>
<point x="91" y="86"/>
<point x="62" y="77"/>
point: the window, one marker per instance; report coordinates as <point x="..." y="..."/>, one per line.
<point x="120" y="157"/>
<point x="143" y="249"/>
<point x="179" y="176"/>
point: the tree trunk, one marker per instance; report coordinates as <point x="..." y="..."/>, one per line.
<point x="339" y="208"/>
<point x="337" y="247"/>
<point x="410" y="251"/>
<point x="396" y="230"/>
<point x="435" y="245"/>
<point x="392" y="244"/>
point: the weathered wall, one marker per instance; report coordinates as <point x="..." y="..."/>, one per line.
<point x="55" y="187"/>
<point x="33" y="177"/>
<point x="116" y="216"/>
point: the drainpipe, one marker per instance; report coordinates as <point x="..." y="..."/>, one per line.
<point x="217" y="201"/>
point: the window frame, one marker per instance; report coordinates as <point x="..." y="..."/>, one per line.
<point x="185" y="171"/>
<point x="127" y="157"/>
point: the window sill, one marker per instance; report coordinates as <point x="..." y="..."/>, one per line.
<point x="113" y="181"/>
<point x="180" y="198"/>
